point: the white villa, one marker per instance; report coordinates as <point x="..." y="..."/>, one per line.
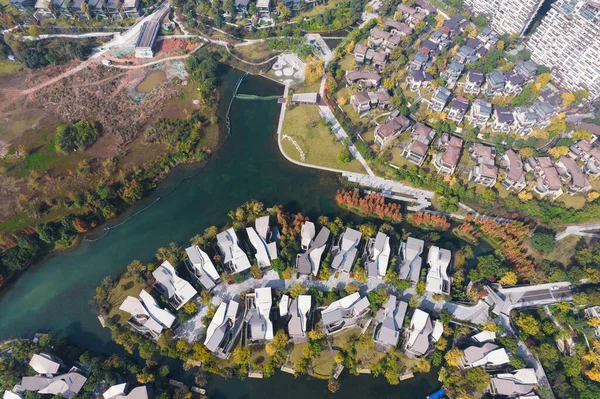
<point x="410" y="268"/>
<point x="346" y="251"/>
<point x="487" y="355"/>
<point x="223" y="329"/>
<point x="45" y="364"/>
<point x="309" y="261"/>
<point x="344" y="313"/>
<point x="299" y="311"/>
<point x="258" y="306"/>
<point x="421" y="333"/>
<point x="201" y="267"/>
<point x="147" y="316"/>
<point x="379" y="256"/>
<point x="234" y="257"/>
<point x="177" y="290"/>
<point x="438" y="281"/>
<point x="390" y="319"/>
<point x="265" y="252"/>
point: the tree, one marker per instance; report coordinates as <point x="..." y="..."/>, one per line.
<point x="500" y="45"/>
<point x="252" y="9"/>
<point x="420" y="288"/>
<point x="557" y="152"/>
<point x="542" y="79"/>
<point x="314" y="69"/>
<point x="571" y="365"/>
<point x="333" y="385"/>
<point x="344" y="156"/>
<point x="581" y="134"/>
<point x="423" y="366"/>
<point x="190" y="308"/>
<point x="567" y="99"/>
<point x="240" y="355"/>
<point x="543" y="242"/>
<point x="367" y="230"/>
<point x="297" y="290"/>
<point x="454" y="357"/>
<point x="528" y="324"/>
<point x="229" y="7"/>
<point x="509" y="278"/>
<point x="351" y="288"/>
<point x="34" y="30"/>
<point x="278" y="265"/>
<point x="76" y="135"/>
<point x="526" y="152"/>
<point x="48" y="232"/>
<point x="285" y="13"/>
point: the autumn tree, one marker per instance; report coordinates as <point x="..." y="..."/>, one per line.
<point x="454" y="357"/>
<point x="297" y="290"/>
<point x="528" y="324"/>
<point x="557" y="152"/>
<point x="314" y="69"/>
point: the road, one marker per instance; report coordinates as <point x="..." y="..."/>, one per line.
<point x="579" y="230"/>
<point x="504" y="300"/>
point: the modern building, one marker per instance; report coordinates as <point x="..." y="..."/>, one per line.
<point x="422" y="136"/>
<point x="398" y="28"/>
<point x="177" y="290"/>
<point x="147" y="317"/>
<point x="440" y="99"/>
<point x="452" y="73"/>
<point x="421" y="333"/>
<point x="390" y="319"/>
<point x="418" y="79"/>
<point x="589" y="154"/>
<point x="446" y="160"/>
<point x="494" y="84"/>
<point x="525" y="120"/>
<point x="201" y="267"/>
<point x="519" y="382"/>
<point x="568" y="41"/>
<point x="503" y="120"/>
<point x="363" y="78"/>
<point x="577" y="180"/>
<point x="258" y="236"/>
<point x="299" y="311"/>
<point x="344" y="313"/>
<point x="118" y="392"/>
<point x="224" y="329"/>
<point x="360" y="52"/>
<point x="235" y="258"/>
<point x="309" y="261"/>
<point x="344" y="254"/>
<point x="548" y="182"/>
<point x="458" y="109"/>
<point x="438" y="281"/>
<point x="515" y="175"/>
<point x="480" y="114"/>
<point x="12" y="394"/>
<point x="394" y="126"/>
<point x="484" y="171"/>
<point x="410" y="268"/>
<point x="378" y="256"/>
<point x="258" y="307"/>
<point x="593" y="313"/>
<point x="488" y="356"/>
<point x="45" y="363"/>
<point x="506" y="16"/>
<point x="67" y="385"/>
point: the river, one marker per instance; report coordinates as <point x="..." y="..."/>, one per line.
<point x="53" y="295"/>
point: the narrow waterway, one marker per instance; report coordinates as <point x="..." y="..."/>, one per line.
<point x="53" y="295"/>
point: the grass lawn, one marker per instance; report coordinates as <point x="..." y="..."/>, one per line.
<point x="8" y="67"/>
<point x="309" y="88"/>
<point x="257" y="52"/>
<point x="296" y="353"/>
<point x="258" y="355"/>
<point x="503" y="192"/>
<point x="565" y="249"/>
<point x="16" y="223"/>
<point x="572" y="201"/>
<point x="397" y="158"/>
<point x="341" y="340"/>
<point x="317" y="10"/>
<point x="369" y="135"/>
<point x="323" y="364"/>
<point x="347" y="63"/>
<point x="127" y="286"/>
<point x="303" y="124"/>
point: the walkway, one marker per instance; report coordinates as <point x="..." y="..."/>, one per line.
<point x="422" y="197"/>
<point x="579" y="230"/>
<point x="341" y="134"/>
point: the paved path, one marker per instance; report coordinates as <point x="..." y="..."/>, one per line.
<point x="341" y="134"/>
<point x="579" y="230"/>
<point x="390" y="186"/>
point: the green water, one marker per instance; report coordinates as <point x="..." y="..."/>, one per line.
<point x="53" y="295"/>
<point x="152" y="80"/>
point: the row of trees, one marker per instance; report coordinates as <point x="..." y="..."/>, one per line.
<point x="372" y="204"/>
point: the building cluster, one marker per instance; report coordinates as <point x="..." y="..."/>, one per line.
<point x="567" y="39"/>
<point x="52" y="377"/>
<point x="98" y="9"/>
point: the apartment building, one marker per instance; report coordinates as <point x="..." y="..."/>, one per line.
<point x="506" y="16"/>
<point x="568" y="41"/>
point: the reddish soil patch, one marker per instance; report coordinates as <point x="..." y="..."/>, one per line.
<point x="170" y="45"/>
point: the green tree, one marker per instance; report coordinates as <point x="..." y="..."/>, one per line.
<point x="344" y="155"/>
<point x="543" y="242"/>
<point x="48" y="232"/>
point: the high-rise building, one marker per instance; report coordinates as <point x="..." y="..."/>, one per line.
<point x="506" y="16"/>
<point x="568" y="41"/>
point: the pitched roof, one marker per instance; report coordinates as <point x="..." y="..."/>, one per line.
<point x="44" y="363"/>
<point x="360" y="49"/>
<point x="452" y="153"/>
<point x="360" y="75"/>
<point x="578" y="179"/>
<point x="173" y="285"/>
<point x="515" y="166"/>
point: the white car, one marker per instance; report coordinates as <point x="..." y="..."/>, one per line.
<point x="554" y="288"/>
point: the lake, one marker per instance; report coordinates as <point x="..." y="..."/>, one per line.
<point x="53" y="295"/>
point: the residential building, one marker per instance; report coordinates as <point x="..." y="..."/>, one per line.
<point x="14" y="394"/>
<point x="519" y="382"/>
<point x="425" y="7"/>
<point x="527" y="69"/>
<point x="299" y="312"/>
<point x="344" y="254"/>
<point x="418" y="79"/>
<point x="363" y="79"/>
<point x="430" y="48"/>
<point x="263" y="8"/>
<point x="398" y="28"/>
<point x="466" y="55"/>
<point x="258" y="236"/>
<point x="474" y="82"/>
<point x="131" y="9"/>
<point x="305" y="98"/>
<point x="503" y="120"/>
<point x="514" y="83"/>
<point x="507" y="16"/>
<point x="484" y="336"/>
<point x="578" y="182"/>
<point x="410" y="268"/>
<point x="544" y="112"/>
<point x="177" y="290"/>
<point x="144" y="46"/>
<point x="383" y="98"/>
<point x="201" y="267"/>
<point x="455" y="25"/>
<point x="420" y="61"/>
<point x="50" y="9"/>
<point x="484" y="171"/>
<point x="379" y="60"/>
<point x="234" y="258"/>
<point x="45" y="363"/>
<point x="568" y="41"/>
<point x="98" y="9"/>
<point x="378" y="256"/>
<point x="458" y="109"/>
<point x="525" y="120"/>
<point x="452" y="73"/>
<point x="258" y="317"/>
<point x="440" y="99"/>
<point x="589" y="154"/>
<point x="360" y="101"/>
<point x="416" y="150"/>
<point x="480" y="114"/>
<point x="390" y="319"/>
<point x="548" y="182"/>
<point x="309" y="261"/>
<point x="344" y="313"/>
<point x="421" y="333"/>
<point x="494" y="84"/>
<point x="395" y="125"/>
<point x="487" y="356"/>
<point x="594" y="313"/>
<point x="307" y="235"/>
<point x="67" y="385"/>
<point x="381" y="38"/>
<point x="515" y="175"/>
<point x="411" y="15"/>
<point x="22" y="5"/>
<point x="118" y="392"/>
<point x="438" y="281"/>
<point x="360" y="52"/>
<point x="224" y="329"/>
<point x="241" y="7"/>
<point x="446" y="160"/>
<point x="488" y="36"/>
<point x="147" y="317"/>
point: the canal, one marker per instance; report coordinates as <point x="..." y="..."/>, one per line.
<point x="53" y="296"/>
